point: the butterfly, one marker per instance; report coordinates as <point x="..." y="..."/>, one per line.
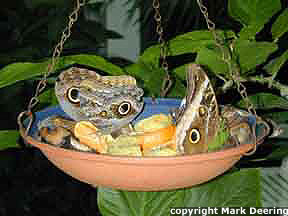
<point x="201" y="123"/>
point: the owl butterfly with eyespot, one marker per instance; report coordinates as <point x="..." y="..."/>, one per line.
<point x="197" y="119"/>
<point x="109" y="102"/>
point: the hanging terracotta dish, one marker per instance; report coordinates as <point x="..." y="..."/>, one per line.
<point x="138" y="173"/>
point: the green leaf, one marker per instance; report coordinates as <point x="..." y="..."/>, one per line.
<point x="220" y="138"/>
<point x="195" y="40"/>
<point x="94" y="61"/>
<point x="235" y="189"/>
<point x="181" y="71"/>
<point x="280" y="26"/>
<point x="178" y="90"/>
<point x="8" y="139"/>
<point x="212" y="60"/>
<point x="23" y="71"/>
<point x="116" y="202"/>
<point x="252" y="14"/>
<point x="274" y="65"/>
<point x="250" y="53"/>
<point x="241" y="188"/>
<point x="20" y="71"/>
<point x="186" y="43"/>
<point x="263" y="187"/>
<point x="48" y="97"/>
<point x="274" y="184"/>
<point x="265" y="101"/>
<point x="280" y="117"/>
<point x="278" y="154"/>
<point x="249" y="32"/>
<point x="146" y="76"/>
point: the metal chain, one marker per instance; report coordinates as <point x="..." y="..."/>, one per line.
<point x="54" y="61"/>
<point x="226" y="57"/>
<point x="167" y="82"/>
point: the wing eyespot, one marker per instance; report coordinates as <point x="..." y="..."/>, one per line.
<point x="73" y="95"/>
<point x="124" y="108"/>
<point x="194" y="136"/>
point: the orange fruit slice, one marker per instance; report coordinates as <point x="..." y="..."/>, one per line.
<point x="152" y="139"/>
<point x="90" y="135"/>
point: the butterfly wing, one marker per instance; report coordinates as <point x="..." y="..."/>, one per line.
<point x="198" y="122"/>
<point x="244" y="127"/>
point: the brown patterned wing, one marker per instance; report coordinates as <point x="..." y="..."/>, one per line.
<point x="110" y="102"/>
<point x="198" y="123"/>
<point x="244" y="127"/>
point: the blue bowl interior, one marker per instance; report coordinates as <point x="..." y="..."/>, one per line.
<point x="151" y="107"/>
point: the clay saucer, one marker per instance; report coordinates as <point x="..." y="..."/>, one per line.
<point x="138" y="173"/>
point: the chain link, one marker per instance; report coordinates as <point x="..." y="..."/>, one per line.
<point x="243" y="92"/>
<point x="226" y="57"/>
<point x="54" y="61"/>
<point x="167" y="82"/>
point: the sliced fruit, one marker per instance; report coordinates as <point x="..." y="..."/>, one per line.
<point x="90" y="135"/>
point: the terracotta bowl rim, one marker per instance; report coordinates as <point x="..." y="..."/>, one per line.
<point x="163" y="160"/>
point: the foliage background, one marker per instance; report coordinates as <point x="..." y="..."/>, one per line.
<point x="255" y="35"/>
